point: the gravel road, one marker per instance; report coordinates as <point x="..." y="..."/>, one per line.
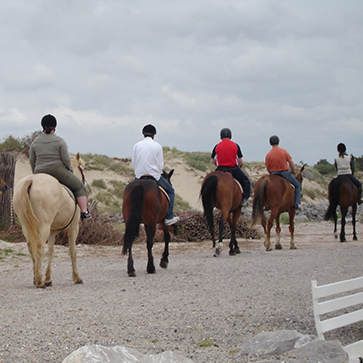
<point x="201" y="306"/>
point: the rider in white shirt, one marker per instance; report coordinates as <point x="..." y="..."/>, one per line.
<point x="147" y="159"/>
<point x="344" y="165"/>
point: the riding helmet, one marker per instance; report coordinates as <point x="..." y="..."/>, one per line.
<point x="49" y="121"/>
<point x="149" y="130"/>
<point x="274" y="140"/>
<point x="341" y="148"/>
<point x="226" y="133"/>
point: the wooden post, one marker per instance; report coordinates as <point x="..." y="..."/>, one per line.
<point x="7" y="172"/>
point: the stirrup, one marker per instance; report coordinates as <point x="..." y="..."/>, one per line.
<point x="86" y="215"/>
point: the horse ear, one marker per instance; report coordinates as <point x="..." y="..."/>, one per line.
<point x="77" y="156"/>
<point x="171" y="172"/>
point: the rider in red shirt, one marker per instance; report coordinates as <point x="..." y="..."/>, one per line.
<point x="227" y="155"/>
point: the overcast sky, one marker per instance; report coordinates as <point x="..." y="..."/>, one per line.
<point x="106" y="68"/>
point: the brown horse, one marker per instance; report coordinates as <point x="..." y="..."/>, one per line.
<point x="221" y="190"/>
<point x="3" y="186"/>
<point x="44" y="208"/>
<point x="144" y="202"/>
<point x="274" y="193"/>
<point x="342" y="192"/>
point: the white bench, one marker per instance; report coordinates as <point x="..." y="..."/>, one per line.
<point x="348" y="298"/>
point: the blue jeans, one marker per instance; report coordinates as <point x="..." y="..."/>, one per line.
<point x="291" y="179"/>
<point x="171" y="193"/>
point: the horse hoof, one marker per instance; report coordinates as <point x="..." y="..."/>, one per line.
<point x="41" y="286"/>
<point x="217" y="252"/>
<point x="163" y="264"/>
<point x="79" y="282"/>
<point x="151" y="272"/>
<point x="237" y="250"/>
<point x="232" y="253"/>
<point x="131" y="274"/>
<point x="278" y="247"/>
<point x="292" y="248"/>
<point x="355" y="239"/>
<point x="49" y="283"/>
<point x="269" y="249"/>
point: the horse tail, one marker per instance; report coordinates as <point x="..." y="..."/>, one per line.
<point x="133" y="223"/>
<point x="334" y="197"/>
<point x="258" y="201"/>
<point x="208" y="194"/>
<point x="29" y="220"/>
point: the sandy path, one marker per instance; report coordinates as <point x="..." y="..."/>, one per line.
<point x="198" y="299"/>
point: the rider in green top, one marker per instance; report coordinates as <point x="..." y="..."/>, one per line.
<point x="49" y="154"/>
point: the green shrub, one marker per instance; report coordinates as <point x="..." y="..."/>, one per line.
<point x="199" y="160"/>
<point x="99" y="183"/>
<point x="324" y="167"/>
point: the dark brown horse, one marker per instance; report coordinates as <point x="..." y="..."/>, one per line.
<point x="144" y="202"/>
<point x="221" y="190"/>
<point x="274" y="193"/>
<point x="3" y="186"/>
<point x="344" y="193"/>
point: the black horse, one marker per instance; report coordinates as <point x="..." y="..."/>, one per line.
<point x="342" y="192"/>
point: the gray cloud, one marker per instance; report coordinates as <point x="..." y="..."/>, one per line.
<point x="106" y="68"/>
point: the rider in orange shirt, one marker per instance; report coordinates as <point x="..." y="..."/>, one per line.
<point x="278" y="161"/>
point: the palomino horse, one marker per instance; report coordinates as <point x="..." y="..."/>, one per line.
<point x="273" y="192"/>
<point x="44" y="208"/>
<point x="144" y="202"/>
<point x="221" y="190"/>
<point x="344" y="193"/>
<point x="3" y="186"/>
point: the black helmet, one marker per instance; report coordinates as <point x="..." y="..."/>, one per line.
<point x="49" y="122"/>
<point x="341" y="148"/>
<point x="149" y="130"/>
<point x="274" y="140"/>
<point x="226" y="133"/>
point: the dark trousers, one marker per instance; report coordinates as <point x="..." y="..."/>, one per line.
<point x="239" y="175"/>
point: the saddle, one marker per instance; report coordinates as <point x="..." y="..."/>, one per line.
<point x="69" y="192"/>
<point x="150" y="177"/>
<point x="292" y="185"/>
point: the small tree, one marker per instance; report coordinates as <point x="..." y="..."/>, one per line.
<point x="324" y="167"/>
<point x="358" y="163"/>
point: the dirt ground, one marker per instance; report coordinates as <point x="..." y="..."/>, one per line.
<point x="201" y="306"/>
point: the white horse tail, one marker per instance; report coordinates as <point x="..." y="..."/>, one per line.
<point x="29" y="220"/>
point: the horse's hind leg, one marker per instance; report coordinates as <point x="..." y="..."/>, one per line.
<point x="354" y="211"/>
<point x="343" y="222"/>
<point x="219" y="247"/>
<point x="278" y="234"/>
<point x="270" y="223"/>
<point x="130" y="265"/>
<point x="72" y="236"/>
<point x="150" y="233"/>
<point x="335" y="219"/>
<point x="36" y="251"/>
<point x="164" y="258"/>
<point x="48" y="271"/>
<point x="233" y="246"/>
<point x="292" y="228"/>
